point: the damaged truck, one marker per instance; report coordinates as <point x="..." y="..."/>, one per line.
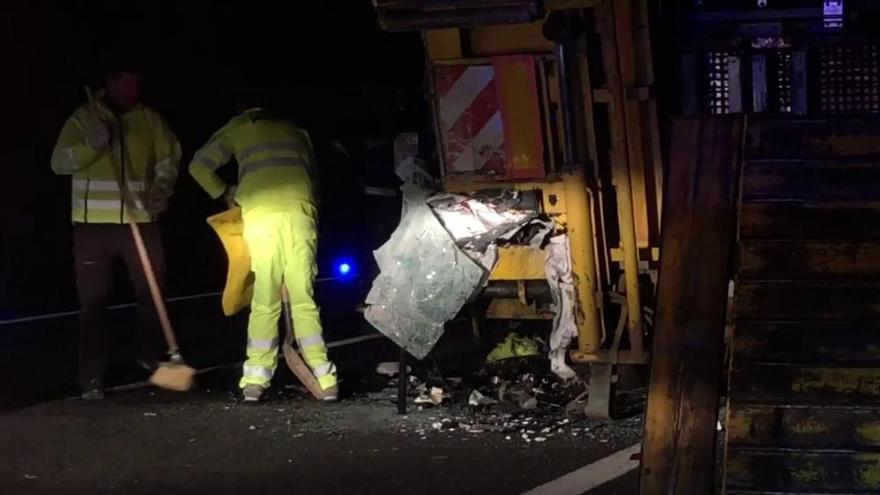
<point x="764" y="285"/>
<point x="548" y="196"/>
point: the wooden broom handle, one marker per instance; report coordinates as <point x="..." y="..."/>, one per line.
<point x="155" y="291"/>
<point x="149" y="273"/>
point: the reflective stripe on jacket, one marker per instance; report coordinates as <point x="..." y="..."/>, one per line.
<point x="276" y="162"/>
<point x="140" y="139"/>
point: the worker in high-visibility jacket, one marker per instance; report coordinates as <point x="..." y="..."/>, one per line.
<point x="277" y="194"/>
<point x="117" y="133"/>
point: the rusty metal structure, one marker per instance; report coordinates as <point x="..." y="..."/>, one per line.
<point x="555" y="98"/>
<point x="803" y="374"/>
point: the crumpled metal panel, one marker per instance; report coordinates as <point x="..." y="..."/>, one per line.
<point x="425" y="278"/>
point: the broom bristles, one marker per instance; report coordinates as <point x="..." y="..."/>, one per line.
<point x="173" y="376"/>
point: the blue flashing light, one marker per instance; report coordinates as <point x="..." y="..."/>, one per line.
<point x="343" y="269"/>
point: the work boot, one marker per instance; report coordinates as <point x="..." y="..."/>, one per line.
<point x="93" y="390"/>
<point x="252" y="393"/>
<point x="331" y="394"/>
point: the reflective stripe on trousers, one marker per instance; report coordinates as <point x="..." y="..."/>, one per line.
<point x="262" y="344"/>
<point x="257" y="375"/>
<point x="316" y="340"/>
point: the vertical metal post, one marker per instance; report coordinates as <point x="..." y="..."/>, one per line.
<point x="620" y="169"/>
<point x="565" y="97"/>
<point x="601" y="391"/>
<point x="579" y="221"/>
<point x="402" y="383"/>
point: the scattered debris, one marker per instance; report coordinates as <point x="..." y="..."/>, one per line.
<point x="519" y="398"/>
<point x="514" y="346"/>
<point x="435" y="396"/>
<point x="519" y="395"/>
<point x="389" y="368"/>
<point x="477" y="399"/>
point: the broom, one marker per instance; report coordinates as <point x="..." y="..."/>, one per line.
<point x="294" y="361"/>
<point x="173" y="374"/>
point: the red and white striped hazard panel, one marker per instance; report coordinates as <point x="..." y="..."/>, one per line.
<point x="489" y="118"/>
<point x="472" y="131"/>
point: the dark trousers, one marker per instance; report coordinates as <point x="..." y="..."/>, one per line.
<point x="96" y="248"/>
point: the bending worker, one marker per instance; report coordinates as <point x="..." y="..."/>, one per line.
<point x="276" y="191"/>
<point x="136" y="141"/>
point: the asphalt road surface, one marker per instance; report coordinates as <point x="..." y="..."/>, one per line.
<point x="206" y="441"/>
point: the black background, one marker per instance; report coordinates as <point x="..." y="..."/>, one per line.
<point x="325" y="64"/>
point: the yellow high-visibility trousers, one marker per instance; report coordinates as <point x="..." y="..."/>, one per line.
<point x="282" y="243"/>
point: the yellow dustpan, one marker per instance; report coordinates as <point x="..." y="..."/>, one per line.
<point x="239" y="289"/>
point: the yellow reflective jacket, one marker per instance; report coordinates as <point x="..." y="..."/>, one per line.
<point x="140" y="140"/>
<point x="276" y="162"/>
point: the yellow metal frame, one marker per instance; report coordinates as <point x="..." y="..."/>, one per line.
<point x="565" y="198"/>
<point x="519" y="263"/>
<point x="566" y="195"/>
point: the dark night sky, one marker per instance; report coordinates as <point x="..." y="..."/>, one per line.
<point x="326" y="63"/>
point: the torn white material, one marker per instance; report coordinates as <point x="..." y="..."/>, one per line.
<point x="412" y="170"/>
<point x="559" y="276"/>
<point x="478" y="399"/>
<point x="389" y="368"/>
<point x="435" y="397"/>
<point x="478" y="222"/>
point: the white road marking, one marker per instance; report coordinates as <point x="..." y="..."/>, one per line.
<point x="591" y="475"/>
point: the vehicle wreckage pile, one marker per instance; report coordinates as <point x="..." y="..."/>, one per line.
<point x="518" y="397"/>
